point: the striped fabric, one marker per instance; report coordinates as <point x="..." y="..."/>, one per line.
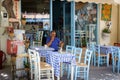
<point x="55" y="58"/>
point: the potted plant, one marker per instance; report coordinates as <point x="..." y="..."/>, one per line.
<point x="106" y="32"/>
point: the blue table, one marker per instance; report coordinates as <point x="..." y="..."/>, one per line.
<point x="106" y="50"/>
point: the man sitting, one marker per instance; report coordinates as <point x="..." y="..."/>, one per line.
<point x="54" y="42"/>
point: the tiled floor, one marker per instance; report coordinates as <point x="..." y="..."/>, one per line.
<point x="101" y="73"/>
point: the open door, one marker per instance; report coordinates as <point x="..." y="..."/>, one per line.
<point x="67" y="23"/>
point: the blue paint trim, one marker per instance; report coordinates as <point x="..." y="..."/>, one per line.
<point x="64" y="16"/>
<point x="51" y="15"/>
<point x="98" y="24"/>
<point x="72" y="23"/>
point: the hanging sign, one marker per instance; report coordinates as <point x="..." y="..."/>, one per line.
<point x="16" y="8"/>
<point x="106" y="12"/>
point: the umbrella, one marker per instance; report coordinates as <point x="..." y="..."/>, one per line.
<point x="99" y="1"/>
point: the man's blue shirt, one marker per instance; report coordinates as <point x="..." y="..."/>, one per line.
<point x="55" y="43"/>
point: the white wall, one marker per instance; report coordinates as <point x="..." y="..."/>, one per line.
<point x="3" y="24"/>
<point x="119" y="24"/>
<point x="114" y="29"/>
<point x="3" y="38"/>
<point x="113" y="35"/>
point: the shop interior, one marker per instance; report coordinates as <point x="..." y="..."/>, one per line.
<point x="37" y="14"/>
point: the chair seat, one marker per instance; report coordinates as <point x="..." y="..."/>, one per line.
<point x="82" y="64"/>
<point x="102" y="55"/>
<point x="45" y="66"/>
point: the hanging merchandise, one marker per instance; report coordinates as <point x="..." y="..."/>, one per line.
<point x="11" y="47"/>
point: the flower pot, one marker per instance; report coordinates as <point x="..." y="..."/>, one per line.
<point x="106" y="38"/>
<point x="106" y="34"/>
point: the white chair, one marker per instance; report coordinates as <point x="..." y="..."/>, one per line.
<point x="39" y="69"/>
<point x="84" y="67"/>
<point x="77" y="53"/>
<point x="37" y="44"/>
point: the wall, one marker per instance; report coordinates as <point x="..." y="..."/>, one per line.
<point x="113" y="35"/>
<point x="114" y="29"/>
<point x="119" y="24"/>
<point x="3" y="24"/>
<point x="3" y="38"/>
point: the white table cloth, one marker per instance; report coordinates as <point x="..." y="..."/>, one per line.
<point x="41" y="49"/>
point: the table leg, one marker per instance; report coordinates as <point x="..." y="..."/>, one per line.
<point x="58" y="78"/>
<point x="108" y="59"/>
<point x="72" y="72"/>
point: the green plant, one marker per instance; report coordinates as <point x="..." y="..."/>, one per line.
<point x="26" y="64"/>
<point x="106" y="30"/>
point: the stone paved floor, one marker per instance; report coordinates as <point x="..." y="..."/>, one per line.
<point x="101" y="73"/>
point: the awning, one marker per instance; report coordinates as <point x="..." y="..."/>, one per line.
<point x="99" y="1"/>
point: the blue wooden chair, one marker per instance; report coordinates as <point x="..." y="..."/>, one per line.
<point x="101" y="58"/>
<point x="64" y="66"/>
<point x="83" y="68"/>
<point x="115" y="58"/>
<point x="70" y="49"/>
<point x="77" y="53"/>
<point x="77" y="38"/>
<point x="91" y="46"/>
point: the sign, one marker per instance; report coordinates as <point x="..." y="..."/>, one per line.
<point x="106" y="12"/>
